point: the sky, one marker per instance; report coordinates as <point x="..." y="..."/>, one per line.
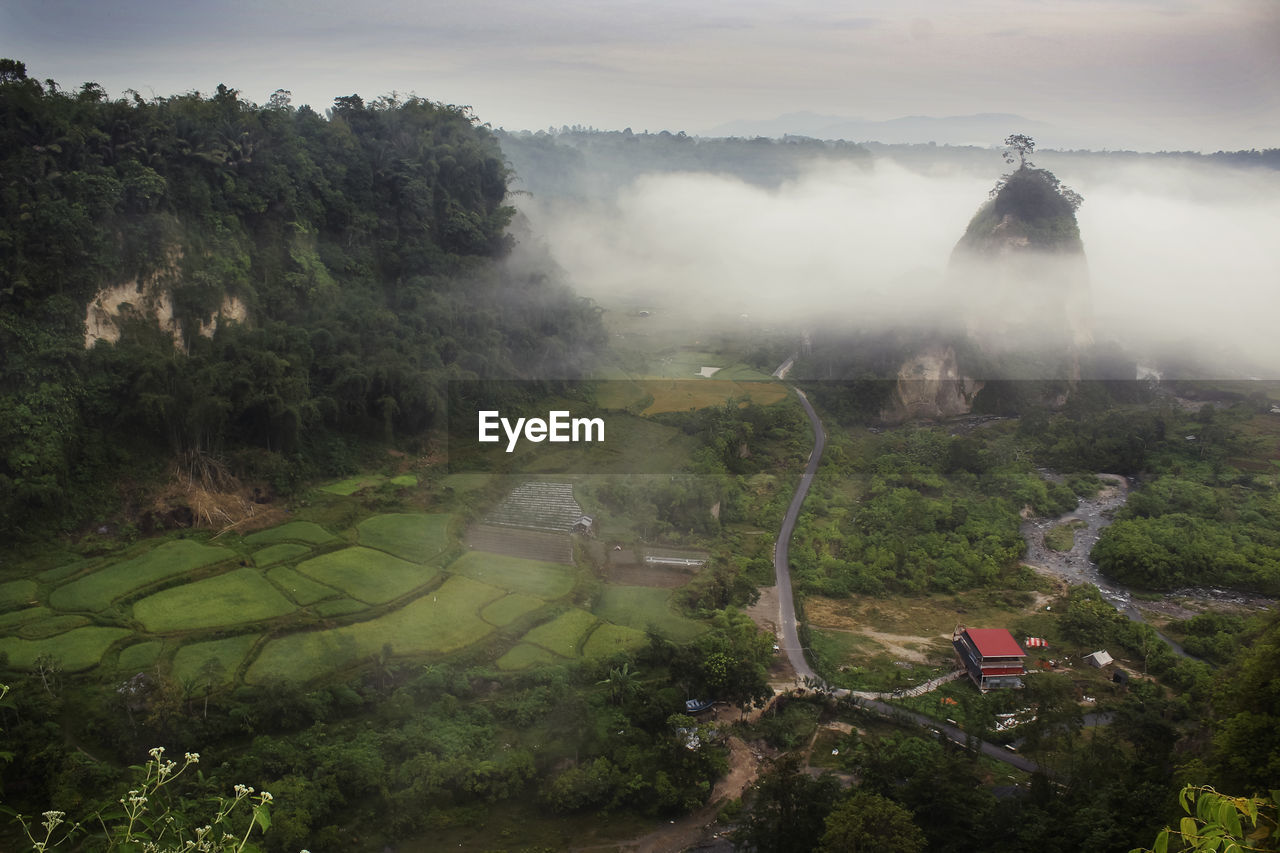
<point x="1137" y="74"/>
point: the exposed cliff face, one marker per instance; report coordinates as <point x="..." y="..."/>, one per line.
<point x="1022" y="270"/>
<point x="931" y="385"/>
<point x="112" y="306"/>
<point x="150" y="299"/>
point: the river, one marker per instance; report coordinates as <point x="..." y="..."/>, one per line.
<point x="1075" y="567"/>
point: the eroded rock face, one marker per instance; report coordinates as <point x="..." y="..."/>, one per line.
<point x="107" y="312"/>
<point x="931" y="385"/>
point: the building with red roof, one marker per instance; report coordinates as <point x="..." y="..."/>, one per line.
<point x="991" y="656"/>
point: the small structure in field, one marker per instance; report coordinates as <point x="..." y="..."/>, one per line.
<point x="1099" y="659"/>
<point x="991" y="656"/>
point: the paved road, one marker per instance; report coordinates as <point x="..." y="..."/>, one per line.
<point x="789" y="640"/>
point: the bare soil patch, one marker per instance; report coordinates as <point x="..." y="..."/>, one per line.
<point x="765" y="611"/>
<point x="646" y="574"/>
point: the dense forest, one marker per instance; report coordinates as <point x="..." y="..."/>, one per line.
<point x="577" y="163"/>
<point x="353" y="258"/>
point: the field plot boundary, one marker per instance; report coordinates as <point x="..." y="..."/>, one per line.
<point x="102" y="587"/>
<point x="441" y="622"/>
<point x="538" y="578"/>
<point x="368" y="575"/>
<point x="77" y="649"/>
<point x="414" y="536"/>
<point x="232" y="599"/>
<point x="307" y="532"/>
<point x="519" y="542"/>
<point x="569" y="630"/>
<point x="645" y="608"/>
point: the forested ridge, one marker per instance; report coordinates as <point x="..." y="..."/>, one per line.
<point x="360" y="246"/>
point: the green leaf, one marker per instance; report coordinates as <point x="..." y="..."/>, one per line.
<point x="1204" y="806"/>
<point x="262" y="816"/>
<point x="1188" y="828"/>
<point x="1229" y="818"/>
<point x="1162" y="842"/>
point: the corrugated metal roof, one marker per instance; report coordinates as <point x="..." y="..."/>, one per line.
<point x="994" y="643"/>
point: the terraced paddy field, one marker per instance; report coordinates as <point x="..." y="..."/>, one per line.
<point x="232" y="599"/>
<point x="416" y="537"/>
<point x="96" y="591"/>
<point x="219" y="659"/>
<point x="281" y="553"/>
<point x="645" y="609"/>
<point x="504" y="611"/>
<point x="77" y="649"/>
<point x="608" y="639"/>
<point x="307" y="532"/>
<point x="299" y="587"/>
<point x="440" y="622"/>
<point x="164" y="602"/>
<point x="16" y="594"/>
<point x="525" y="655"/>
<point x="48" y="626"/>
<point x="367" y="575"/>
<point x="531" y="577"/>
<point x="139" y="656"/>
<point x="563" y="635"/>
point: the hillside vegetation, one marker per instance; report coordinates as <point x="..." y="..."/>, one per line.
<point x="278" y="285"/>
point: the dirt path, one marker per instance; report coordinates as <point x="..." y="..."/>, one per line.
<point x="744" y="768"/>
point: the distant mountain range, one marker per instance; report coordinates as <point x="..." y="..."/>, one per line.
<point x="982" y="129"/>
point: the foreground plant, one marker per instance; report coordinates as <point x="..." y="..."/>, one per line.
<point x="145" y="821"/>
<point x="1221" y="823"/>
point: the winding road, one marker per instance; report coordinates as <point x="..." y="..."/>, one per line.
<point x="789" y="636"/>
<point x="789" y="639"/>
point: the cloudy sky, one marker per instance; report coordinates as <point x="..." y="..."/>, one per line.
<point x="1198" y="74"/>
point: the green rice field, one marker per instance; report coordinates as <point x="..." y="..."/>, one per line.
<point x="368" y="575"/>
<point x="77" y="649"/>
<point x="51" y="626"/>
<point x="98" y="590"/>
<point x="296" y="531"/>
<point x="16" y="594"/>
<point x="530" y="577"/>
<point x="524" y="656"/>
<point x="139" y="656"/>
<point x="416" y="537"/>
<point x="339" y="607"/>
<point x="283" y="552"/>
<point x="11" y="620"/>
<point x="609" y="639"/>
<point x="564" y="634"/>
<point x="298" y="586"/>
<point x="229" y="653"/>
<point x="231" y="599"/>
<point x="646" y="608"/>
<point x="506" y="610"/>
<point x="440" y="622"/>
<point x="351" y="485"/>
